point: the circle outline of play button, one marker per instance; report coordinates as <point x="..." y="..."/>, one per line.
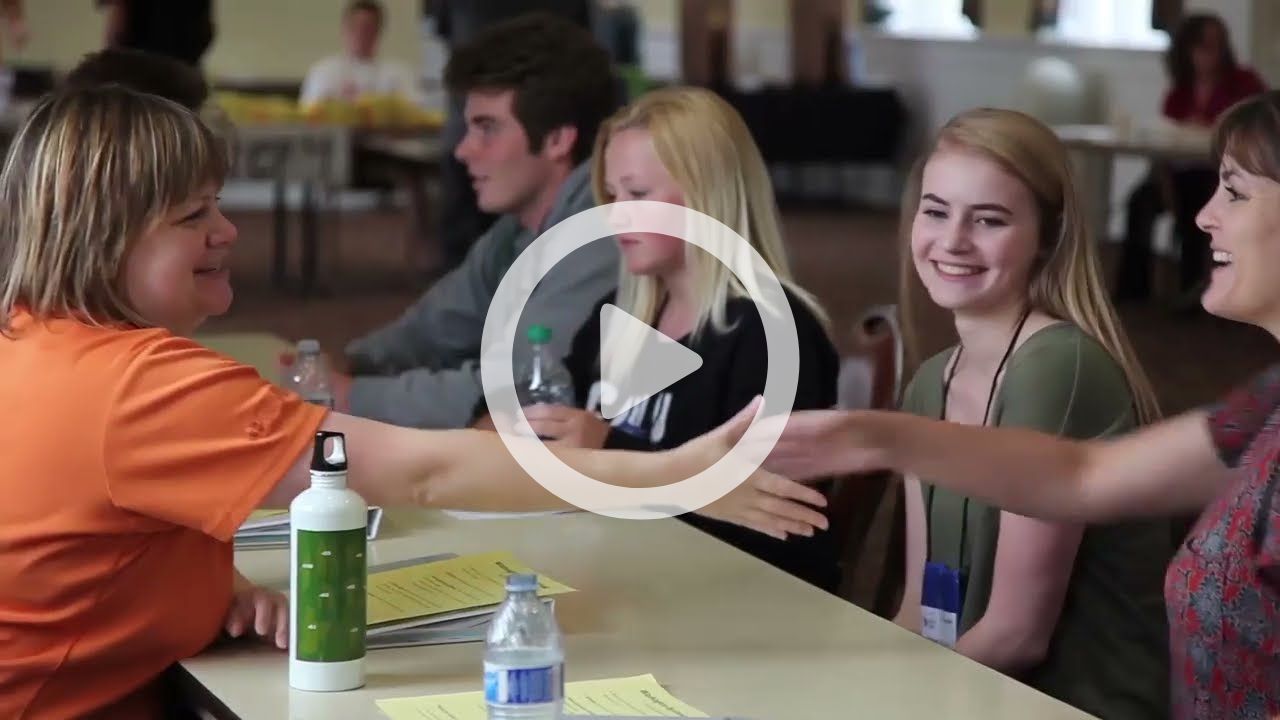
<point x="752" y="272"/>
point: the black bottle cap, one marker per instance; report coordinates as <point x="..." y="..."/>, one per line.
<point x="337" y="460"/>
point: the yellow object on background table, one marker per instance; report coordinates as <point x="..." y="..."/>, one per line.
<point x="371" y="113"/>
<point x="639" y="696"/>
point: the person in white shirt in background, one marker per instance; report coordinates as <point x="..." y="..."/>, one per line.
<point x="357" y="72"/>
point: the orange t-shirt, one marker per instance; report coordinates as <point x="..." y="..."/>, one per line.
<point x="128" y="459"/>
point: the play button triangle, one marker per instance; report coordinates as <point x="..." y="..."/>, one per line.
<point x="637" y="361"/>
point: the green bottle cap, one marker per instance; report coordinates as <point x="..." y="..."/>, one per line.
<point x="539" y="334"/>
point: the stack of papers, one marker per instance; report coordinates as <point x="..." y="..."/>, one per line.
<point x="270" y="529"/>
<point x="442" y="599"/>
<point x="639" y="696"/>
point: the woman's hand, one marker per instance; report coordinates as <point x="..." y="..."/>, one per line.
<point x="260" y="610"/>
<point x="571" y="426"/>
<point x="765" y="502"/>
<point x="772" y="505"/>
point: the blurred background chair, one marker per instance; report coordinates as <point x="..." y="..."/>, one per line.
<point x="867" y="514"/>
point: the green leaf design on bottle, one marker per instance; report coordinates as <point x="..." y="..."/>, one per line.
<point x="331" y="574"/>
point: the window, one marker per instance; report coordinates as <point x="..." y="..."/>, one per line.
<point x="944" y="18"/>
<point x="1110" y="22"/>
<point x="1105" y="22"/>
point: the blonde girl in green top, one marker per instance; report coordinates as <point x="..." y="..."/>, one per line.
<point x="995" y="235"/>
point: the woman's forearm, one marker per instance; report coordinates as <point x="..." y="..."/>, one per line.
<point x="1019" y="470"/>
<point x="481" y="474"/>
<point x="908" y="616"/>
<point x="469" y="469"/>
<point x="1163" y="469"/>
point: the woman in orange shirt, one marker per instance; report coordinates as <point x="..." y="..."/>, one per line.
<point x="132" y="454"/>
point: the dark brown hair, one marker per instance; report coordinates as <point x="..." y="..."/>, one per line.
<point x="144" y="72"/>
<point x="559" y="73"/>
<point x="1249" y="134"/>
<point x="1189" y="34"/>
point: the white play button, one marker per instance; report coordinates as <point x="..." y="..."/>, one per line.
<point x="636" y="361"/>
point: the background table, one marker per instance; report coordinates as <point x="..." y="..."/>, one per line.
<point x="1102" y="144"/>
<point x="321" y="160"/>
<point x="722" y="630"/>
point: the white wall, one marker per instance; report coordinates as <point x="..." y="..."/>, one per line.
<point x="941" y="78"/>
<point x="1237" y="14"/>
<point x="659" y="38"/>
<point x="761" y="43"/>
<point x="1266" y="41"/>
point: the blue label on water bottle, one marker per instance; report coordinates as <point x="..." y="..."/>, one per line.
<point x="523" y="686"/>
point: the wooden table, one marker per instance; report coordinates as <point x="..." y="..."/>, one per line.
<point x="1102" y="144"/>
<point x="722" y="630"/>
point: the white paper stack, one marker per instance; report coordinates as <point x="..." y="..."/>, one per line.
<point x="270" y="529"/>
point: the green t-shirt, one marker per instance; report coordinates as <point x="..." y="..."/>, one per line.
<point x="1109" y="652"/>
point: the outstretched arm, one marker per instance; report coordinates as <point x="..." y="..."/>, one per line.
<point x="472" y="470"/>
<point x="1168" y="468"/>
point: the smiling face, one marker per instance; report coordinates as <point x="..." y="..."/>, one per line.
<point x="176" y="275"/>
<point x="633" y="171"/>
<point x="974" y="237"/>
<point x="1243" y="221"/>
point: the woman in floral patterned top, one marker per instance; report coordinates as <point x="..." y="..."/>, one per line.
<point x="1223" y="587"/>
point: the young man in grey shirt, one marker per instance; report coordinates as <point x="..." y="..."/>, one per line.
<point x="537" y="88"/>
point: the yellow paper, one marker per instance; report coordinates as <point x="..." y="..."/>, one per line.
<point x="446" y="586"/>
<point x="641" y="696"/>
<point x="259" y="514"/>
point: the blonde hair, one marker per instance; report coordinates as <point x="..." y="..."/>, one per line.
<point x="91" y="171"/>
<point x="1066" y="281"/>
<point x="706" y="147"/>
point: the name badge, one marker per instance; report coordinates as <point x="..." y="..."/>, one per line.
<point x="941" y="601"/>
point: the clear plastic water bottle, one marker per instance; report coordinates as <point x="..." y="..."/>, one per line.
<point x="523" y="657"/>
<point x="544" y="380"/>
<point x="311" y="374"/>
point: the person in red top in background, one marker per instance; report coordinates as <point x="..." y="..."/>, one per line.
<point x="1207" y="80"/>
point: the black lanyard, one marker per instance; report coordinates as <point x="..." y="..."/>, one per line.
<point x="986" y="415"/>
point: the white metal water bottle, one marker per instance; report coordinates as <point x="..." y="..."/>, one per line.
<point x="524" y="659"/>
<point x="328" y="571"/>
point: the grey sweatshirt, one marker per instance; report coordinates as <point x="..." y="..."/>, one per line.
<point x="423" y="369"/>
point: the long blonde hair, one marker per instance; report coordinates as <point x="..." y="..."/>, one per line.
<point x="90" y="172"/>
<point x="706" y="147"/>
<point x="1066" y="282"/>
